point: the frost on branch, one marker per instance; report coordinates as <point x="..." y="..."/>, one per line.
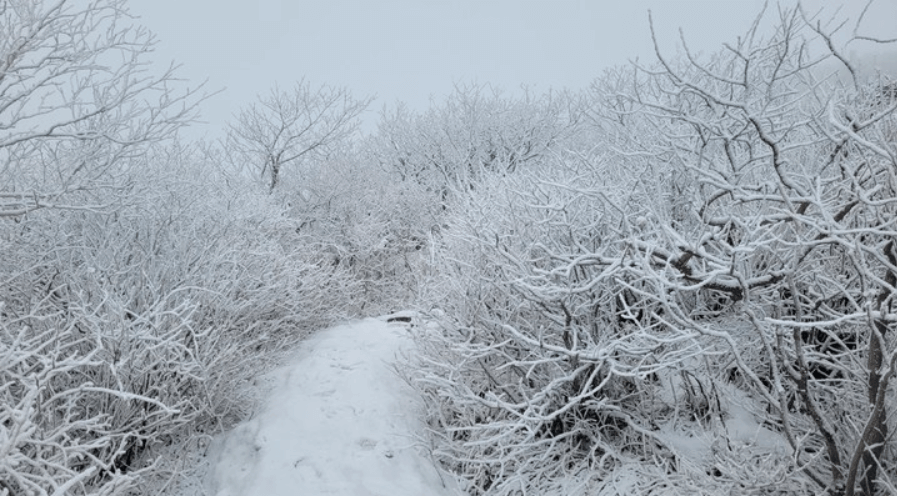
<point x="725" y="264"/>
<point x="77" y="103"/>
<point x="291" y="129"/>
<point x="133" y="330"/>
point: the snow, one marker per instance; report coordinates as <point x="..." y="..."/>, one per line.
<point x="339" y="420"/>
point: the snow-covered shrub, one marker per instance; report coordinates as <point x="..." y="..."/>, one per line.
<point x="134" y="328"/>
<point x="549" y="362"/>
<point x="77" y="102"/>
<point x="474" y="132"/>
<point x="140" y="287"/>
<point x="364" y="220"/>
<point x="376" y="209"/>
<point x="713" y="291"/>
<point x="53" y="439"/>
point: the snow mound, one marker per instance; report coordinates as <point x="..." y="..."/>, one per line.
<point x="338" y="421"/>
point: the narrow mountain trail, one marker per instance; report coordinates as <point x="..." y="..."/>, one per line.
<point x="338" y="421"/>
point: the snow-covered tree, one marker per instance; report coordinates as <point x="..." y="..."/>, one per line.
<point x="704" y="303"/>
<point x="287" y="128"/>
<point x="139" y="289"/>
<point x="477" y="130"/>
<point x="792" y="233"/>
<point x="77" y="102"/>
<point x="364" y="219"/>
<point x="124" y="332"/>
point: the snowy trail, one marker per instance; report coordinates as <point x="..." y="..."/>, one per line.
<point x="338" y="421"/>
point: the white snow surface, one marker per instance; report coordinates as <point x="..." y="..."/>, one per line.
<point x="338" y="421"/>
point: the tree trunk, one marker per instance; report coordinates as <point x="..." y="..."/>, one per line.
<point x="873" y="441"/>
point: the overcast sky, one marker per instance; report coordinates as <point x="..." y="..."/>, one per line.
<point x="412" y="50"/>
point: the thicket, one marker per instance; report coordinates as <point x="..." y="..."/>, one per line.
<point x="700" y="302"/>
<point x="679" y="281"/>
<point x="143" y="284"/>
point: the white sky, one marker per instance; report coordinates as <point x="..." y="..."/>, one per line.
<point x="412" y="50"/>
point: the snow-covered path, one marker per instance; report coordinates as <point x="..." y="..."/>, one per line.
<point x="338" y="421"/>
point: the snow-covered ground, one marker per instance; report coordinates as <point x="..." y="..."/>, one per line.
<point x="338" y="421"/>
